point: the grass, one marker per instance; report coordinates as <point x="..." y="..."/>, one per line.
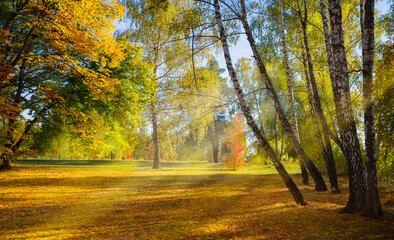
<point x="183" y="200"/>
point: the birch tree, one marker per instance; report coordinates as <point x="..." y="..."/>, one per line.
<point x="250" y="121"/>
<point x="373" y="207"/>
<point x="316" y="104"/>
<point x="304" y="171"/>
<point x="319" y="182"/>
<point x="344" y="111"/>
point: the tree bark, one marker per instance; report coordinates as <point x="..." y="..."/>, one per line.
<point x="304" y="171"/>
<point x="328" y="154"/>
<point x="331" y="66"/>
<point x="6" y="161"/>
<point x="8" y="153"/>
<point x="345" y="117"/>
<point x="373" y="207"/>
<point x="317" y="177"/>
<point x="249" y="119"/>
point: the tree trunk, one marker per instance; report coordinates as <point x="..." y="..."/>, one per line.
<point x="304" y="172"/>
<point x="215" y="149"/>
<point x="155" y="139"/>
<point x="249" y="119"/>
<point x="331" y="65"/>
<point x="6" y="158"/>
<point x="7" y="154"/>
<point x="213" y="137"/>
<point x="153" y="111"/>
<point x="373" y="207"/>
<point x="12" y="122"/>
<point x="334" y="133"/>
<point x="281" y="147"/>
<point x="328" y="154"/>
<point x="276" y="136"/>
<point x="312" y="106"/>
<point x="345" y="118"/>
<point x="318" y="179"/>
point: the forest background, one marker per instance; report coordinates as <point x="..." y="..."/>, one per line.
<point x="74" y="87"/>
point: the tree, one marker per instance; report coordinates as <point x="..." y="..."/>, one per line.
<point x="252" y="124"/>
<point x="316" y="105"/>
<point x="330" y="58"/>
<point x="373" y="207"/>
<point x="202" y="106"/>
<point x="304" y="171"/>
<point x="319" y="182"/>
<point x="236" y="142"/>
<point x="217" y="129"/>
<point x="160" y="26"/>
<point x="43" y="43"/>
<point x="343" y="107"/>
<point x="102" y="125"/>
<point x="216" y="132"/>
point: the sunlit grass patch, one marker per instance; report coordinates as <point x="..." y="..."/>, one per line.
<point x="193" y="200"/>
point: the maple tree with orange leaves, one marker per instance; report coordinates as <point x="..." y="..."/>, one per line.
<point x="236" y="142"/>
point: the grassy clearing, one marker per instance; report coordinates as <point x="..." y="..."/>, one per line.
<point x="129" y="200"/>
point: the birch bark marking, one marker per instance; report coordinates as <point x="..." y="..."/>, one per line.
<point x="328" y="153"/>
<point x="249" y="119"/>
<point x="373" y="207"/>
<point x="327" y="40"/>
<point x="345" y="118"/>
<point x="304" y="171"/>
<point x="331" y="67"/>
<point x="318" y="179"/>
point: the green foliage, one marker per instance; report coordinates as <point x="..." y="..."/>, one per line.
<point x="87" y="126"/>
<point x="258" y="156"/>
<point x="384" y="108"/>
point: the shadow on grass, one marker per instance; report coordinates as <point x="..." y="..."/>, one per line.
<point x="165" y="165"/>
<point x="171" y="206"/>
<point x="36" y="162"/>
<point x="149" y="197"/>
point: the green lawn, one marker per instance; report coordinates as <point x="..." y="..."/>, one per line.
<point x="183" y="200"/>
